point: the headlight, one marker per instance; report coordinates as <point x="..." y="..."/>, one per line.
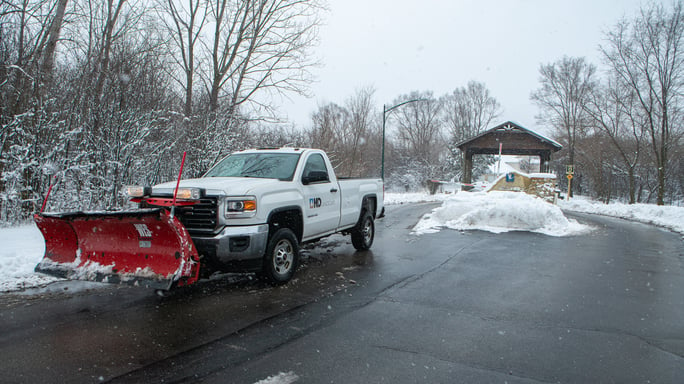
<point x="243" y="206"/>
<point x="188" y="193"/>
<point x="137" y="191"/>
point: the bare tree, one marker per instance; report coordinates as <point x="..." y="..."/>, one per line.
<point x="349" y="133"/>
<point x="187" y="20"/>
<point x="420" y="129"/>
<point x="358" y="132"/>
<point x="260" y="45"/>
<point x="417" y="149"/>
<point x="647" y="55"/>
<point x="565" y="87"/>
<point x="112" y="12"/>
<point x="99" y="28"/>
<point x="598" y="158"/>
<point x="34" y="28"/>
<point x="328" y="123"/>
<point x="613" y="110"/>
<point x="469" y="110"/>
<point x="50" y="39"/>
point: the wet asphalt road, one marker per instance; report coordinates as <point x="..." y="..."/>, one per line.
<point x="450" y="307"/>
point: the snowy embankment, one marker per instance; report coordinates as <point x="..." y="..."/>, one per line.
<point x="662" y="216"/>
<point x="23" y="246"/>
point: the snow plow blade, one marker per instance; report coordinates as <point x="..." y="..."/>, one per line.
<point x="146" y="247"/>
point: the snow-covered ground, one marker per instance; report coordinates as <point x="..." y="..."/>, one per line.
<point x="23" y="247"/>
<point x="662" y="216"/>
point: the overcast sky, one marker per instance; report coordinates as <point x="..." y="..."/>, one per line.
<point x="399" y="46"/>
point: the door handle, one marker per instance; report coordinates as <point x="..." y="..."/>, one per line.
<point x="333" y="190"/>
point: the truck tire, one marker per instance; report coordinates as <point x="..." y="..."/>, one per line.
<point x="282" y="256"/>
<point x="364" y="232"/>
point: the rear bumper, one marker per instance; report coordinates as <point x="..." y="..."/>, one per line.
<point x="234" y="246"/>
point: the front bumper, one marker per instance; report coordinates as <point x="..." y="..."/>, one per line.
<point x="234" y="246"/>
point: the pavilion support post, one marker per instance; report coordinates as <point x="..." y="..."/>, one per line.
<point x="544" y="160"/>
<point x="543" y="163"/>
<point x="467" y="167"/>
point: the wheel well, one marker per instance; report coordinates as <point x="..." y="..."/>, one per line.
<point x="370" y="204"/>
<point x="287" y="218"/>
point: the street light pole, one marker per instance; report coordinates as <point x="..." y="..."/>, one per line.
<point x="385" y="111"/>
<point x="382" y="162"/>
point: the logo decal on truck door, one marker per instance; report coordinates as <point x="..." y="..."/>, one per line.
<point x="315" y="202"/>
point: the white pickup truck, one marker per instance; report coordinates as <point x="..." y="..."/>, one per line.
<point x="256" y="206"/>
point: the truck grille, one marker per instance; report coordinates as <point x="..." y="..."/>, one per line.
<point x="200" y="217"/>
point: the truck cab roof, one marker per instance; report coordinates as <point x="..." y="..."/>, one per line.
<point x="277" y="149"/>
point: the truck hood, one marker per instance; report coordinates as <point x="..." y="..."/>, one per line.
<point x="233" y="186"/>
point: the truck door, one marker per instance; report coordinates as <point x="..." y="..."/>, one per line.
<point x="322" y="205"/>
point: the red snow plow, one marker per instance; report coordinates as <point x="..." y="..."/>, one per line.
<point x="147" y="247"/>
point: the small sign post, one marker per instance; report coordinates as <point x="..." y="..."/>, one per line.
<point x="569" y="172"/>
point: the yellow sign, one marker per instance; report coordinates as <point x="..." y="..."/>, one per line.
<point x="569" y="177"/>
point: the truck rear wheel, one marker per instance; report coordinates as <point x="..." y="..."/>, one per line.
<point x="363" y="234"/>
<point x="282" y="256"/>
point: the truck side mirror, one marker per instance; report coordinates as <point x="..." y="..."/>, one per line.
<point x="315" y="177"/>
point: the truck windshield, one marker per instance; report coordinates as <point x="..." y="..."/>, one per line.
<point x="263" y="165"/>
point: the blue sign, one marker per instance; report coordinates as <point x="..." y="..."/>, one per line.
<point x="510" y="177"/>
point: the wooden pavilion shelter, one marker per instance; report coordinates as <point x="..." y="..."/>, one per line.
<point x="510" y="139"/>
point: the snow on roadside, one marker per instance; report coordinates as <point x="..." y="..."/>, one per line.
<point x="412" y="198"/>
<point x="664" y="216"/>
<point x="281" y="378"/>
<point x="499" y="212"/>
<point x="22" y="248"/>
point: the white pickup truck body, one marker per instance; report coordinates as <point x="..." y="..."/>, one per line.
<point x="250" y="195"/>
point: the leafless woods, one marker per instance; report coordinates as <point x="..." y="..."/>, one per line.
<point x="96" y="94"/>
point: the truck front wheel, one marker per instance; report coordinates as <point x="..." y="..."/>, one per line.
<point x="363" y="234"/>
<point x="282" y="256"/>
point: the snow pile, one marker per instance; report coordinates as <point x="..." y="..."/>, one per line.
<point x="499" y="212"/>
<point x="412" y="198"/>
<point x="22" y="249"/>
<point x="281" y="378"/>
<point x="663" y="216"/>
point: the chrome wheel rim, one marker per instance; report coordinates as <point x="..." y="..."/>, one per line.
<point x="283" y="257"/>
<point x="368" y="231"/>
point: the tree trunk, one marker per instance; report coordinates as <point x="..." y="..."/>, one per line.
<point x="107" y="46"/>
<point x="632" y="198"/>
<point x="661" y="185"/>
<point x="188" y="93"/>
<point x="213" y="97"/>
<point x="48" y="59"/>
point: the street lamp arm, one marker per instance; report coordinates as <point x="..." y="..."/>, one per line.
<point x="400" y="104"/>
<point x="385" y="111"/>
